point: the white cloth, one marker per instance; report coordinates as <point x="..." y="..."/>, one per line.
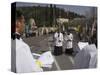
<point x="46" y="59"/>
<point x="22" y="59"/>
<point x="69" y="44"/>
<point x="81" y="45"/>
<point x="86" y="58"/>
<point x="58" y="39"/>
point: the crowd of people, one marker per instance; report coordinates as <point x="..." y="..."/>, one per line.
<point x="85" y="58"/>
<point x="22" y="60"/>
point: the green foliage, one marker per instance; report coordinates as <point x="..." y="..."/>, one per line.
<point x="46" y="15"/>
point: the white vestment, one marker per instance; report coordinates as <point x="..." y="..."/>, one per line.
<point x="22" y="60"/>
<point x="69" y="44"/>
<point x="86" y="58"/>
<point x="58" y="38"/>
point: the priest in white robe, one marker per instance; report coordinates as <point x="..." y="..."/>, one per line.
<point x="22" y="60"/>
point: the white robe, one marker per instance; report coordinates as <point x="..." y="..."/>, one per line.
<point x="22" y="59"/>
<point x="86" y="58"/>
<point x="56" y="39"/>
<point x="69" y="44"/>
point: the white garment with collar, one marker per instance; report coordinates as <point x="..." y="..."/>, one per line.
<point x="24" y="62"/>
<point x="56" y="39"/>
<point x="86" y="58"/>
<point x="69" y="44"/>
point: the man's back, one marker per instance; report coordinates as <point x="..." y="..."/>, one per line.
<point x="86" y="58"/>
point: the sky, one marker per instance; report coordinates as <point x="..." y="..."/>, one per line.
<point x="82" y="10"/>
